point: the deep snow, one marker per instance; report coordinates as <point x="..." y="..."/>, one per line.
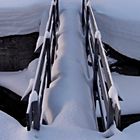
<point x="20" y="78"/>
<point x="119" y="24"/>
<point x="67" y="104"/>
<point x="128" y="89"/>
<point x="21" y="17"/>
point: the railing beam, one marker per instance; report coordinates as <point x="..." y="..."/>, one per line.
<point x="43" y="73"/>
<point x="101" y="69"/>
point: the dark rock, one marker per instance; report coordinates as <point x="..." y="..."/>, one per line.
<point x="17" y="51"/>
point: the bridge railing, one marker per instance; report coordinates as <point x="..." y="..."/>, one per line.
<point x="103" y="87"/>
<point x="43" y="73"/>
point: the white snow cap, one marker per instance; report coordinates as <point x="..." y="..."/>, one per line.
<point x="33" y="97"/>
<point x="113" y="94"/>
<point x="98" y="34"/>
<point x="29" y="88"/>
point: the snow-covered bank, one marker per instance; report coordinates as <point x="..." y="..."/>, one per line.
<point x="128" y="89"/>
<point x="119" y="24"/>
<point x="21" y="17"/>
<point x="18" y="81"/>
<point x="10" y="129"/>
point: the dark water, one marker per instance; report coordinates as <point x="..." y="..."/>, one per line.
<point x="124" y="64"/>
<point x="11" y="104"/>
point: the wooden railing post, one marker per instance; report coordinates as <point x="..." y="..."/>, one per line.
<point x="54" y="34"/>
<point x="57" y="13"/>
<point x="48" y="62"/>
<point x="95" y="87"/>
<point x="83" y="14"/>
<point x="87" y="31"/>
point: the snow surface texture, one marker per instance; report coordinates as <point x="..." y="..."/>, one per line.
<point x="119" y="23"/>
<point x="21" y="17"/>
<point x="22" y="79"/>
<point x="67" y="103"/>
<point x="127" y="87"/>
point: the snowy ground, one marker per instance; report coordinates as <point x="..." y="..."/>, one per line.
<point x="119" y="25"/>
<point x="12" y="130"/>
<point x="21" y="17"/>
<point x="20" y="78"/>
<point x="67" y="104"/>
<point x="128" y="89"/>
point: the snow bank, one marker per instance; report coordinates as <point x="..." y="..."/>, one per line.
<point x="18" y="81"/>
<point x="119" y="26"/>
<point x="129" y="133"/>
<point x="128" y="89"/>
<point x="21" y="17"/>
<point x="10" y="129"/>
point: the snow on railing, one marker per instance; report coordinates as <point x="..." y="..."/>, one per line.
<point x="43" y="73"/>
<point x="103" y="87"/>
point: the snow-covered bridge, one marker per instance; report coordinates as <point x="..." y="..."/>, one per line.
<point x="70" y="84"/>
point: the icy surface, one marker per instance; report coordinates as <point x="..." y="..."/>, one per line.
<point x="119" y="25"/>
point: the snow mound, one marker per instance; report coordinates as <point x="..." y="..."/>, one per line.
<point x="128" y="90"/>
<point x="21" y="17"/>
<point x="10" y="129"/>
<point x="119" y="27"/>
<point x="18" y="81"/>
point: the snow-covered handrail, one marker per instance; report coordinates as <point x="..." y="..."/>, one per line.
<point x="103" y="86"/>
<point x="43" y="73"/>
